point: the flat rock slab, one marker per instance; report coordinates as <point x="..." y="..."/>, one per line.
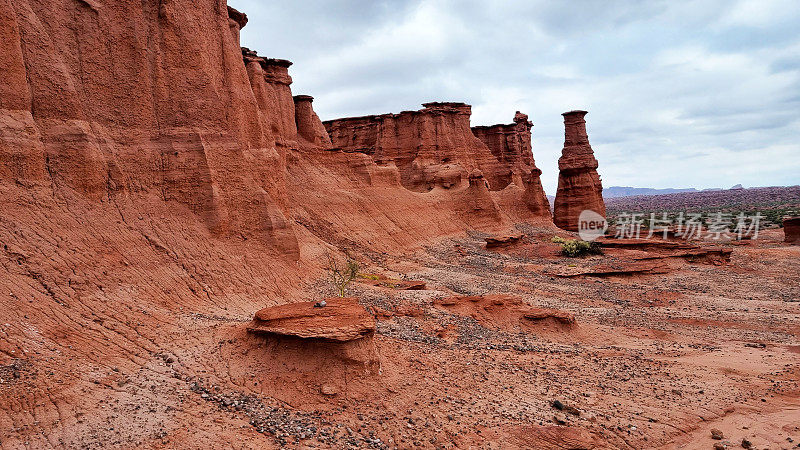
<point x="502" y="310"/>
<point x="617" y="268"/>
<point x="391" y="283"/>
<point x="564" y="317"/>
<point x="341" y="319"/>
<point x="645" y="244"/>
<point x="506" y="239"/>
<point x="661" y="249"/>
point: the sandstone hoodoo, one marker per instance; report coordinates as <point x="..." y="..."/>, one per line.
<point x="511" y="144"/>
<point x="791" y="230"/>
<point x="579" y="186"/>
<point x="341" y="319"/>
<point x="308" y="124"/>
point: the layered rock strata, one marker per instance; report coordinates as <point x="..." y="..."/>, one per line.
<point x="432" y="147"/>
<point x="579" y="186"/>
<point x="131" y="98"/>
<point x="511" y="144"/>
<point x="341" y="319"/>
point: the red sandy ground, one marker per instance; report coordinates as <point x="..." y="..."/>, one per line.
<point x="653" y="360"/>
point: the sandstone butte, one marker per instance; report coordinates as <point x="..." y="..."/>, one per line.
<point x="160" y="184"/>
<point x="579" y="186"/>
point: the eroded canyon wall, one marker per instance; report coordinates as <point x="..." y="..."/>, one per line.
<point x="148" y="96"/>
<point x="432" y="147"/>
<point x="157" y="179"/>
<point x="511" y="144"/>
<point x="158" y="99"/>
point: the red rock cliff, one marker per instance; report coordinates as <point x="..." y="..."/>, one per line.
<point x="511" y="145"/>
<point x="432" y="147"/>
<point x="140" y="97"/>
<point x="579" y="186"/>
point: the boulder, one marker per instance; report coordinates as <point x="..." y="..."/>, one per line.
<point x="341" y="319"/>
<point x="579" y="186"/>
<point x="791" y="230"/>
<point x="503" y="240"/>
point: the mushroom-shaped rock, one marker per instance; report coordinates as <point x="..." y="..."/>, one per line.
<point x="791" y="230"/>
<point x="308" y="124"/>
<point x="341" y="319"/>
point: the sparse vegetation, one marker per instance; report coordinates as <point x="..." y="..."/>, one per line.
<point x="773" y="203"/>
<point x="342" y="275"/>
<point x="573" y="248"/>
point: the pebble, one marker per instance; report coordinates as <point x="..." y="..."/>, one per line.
<point x="329" y="389"/>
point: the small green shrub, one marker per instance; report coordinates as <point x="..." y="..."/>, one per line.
<point x="341" y="276"/>
<point x="573" y="248"/>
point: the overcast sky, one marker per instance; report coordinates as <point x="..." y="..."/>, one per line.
<point x="680" y="94"/>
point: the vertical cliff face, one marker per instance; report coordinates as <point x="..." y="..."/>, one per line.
<point x="131" y="97"/>
<point x="579" y="186"/>
<point x="511" y="146"/>
<point x="308" y="124"/>
<point x="432" y="147"/>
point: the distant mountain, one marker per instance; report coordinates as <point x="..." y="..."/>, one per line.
<point x="623" y="191"/>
